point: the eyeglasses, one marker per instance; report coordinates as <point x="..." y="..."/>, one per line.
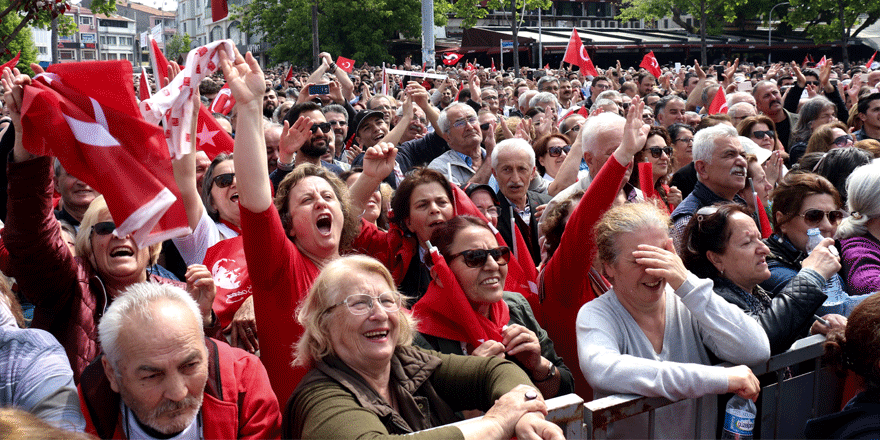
<point x="223" y="180"/>
<point x="490" y="211"/>
<point x="361" y="303"/>
<point x="602" y="86"/>
<point x="575" y="128"/>
<point x="656" y="152"/>
<point x="815" y="216"/>
<point x="478" y="257"/>
<point x="758" y="134"/>
<point x="842" y="141"/>
<point x="557" y="151"/>
<point x="103" y="228"/>
<point x="685" y="140"/>
<point x="812" y="83"/>
<point x="465" y="121"/>
<point x="324" y="126"/>
<point x="485" y="126"/>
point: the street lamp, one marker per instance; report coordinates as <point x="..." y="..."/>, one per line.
<point x="770" y="31"/>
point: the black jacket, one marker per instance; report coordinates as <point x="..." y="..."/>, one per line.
<point x="788" y="315"/>
<point x="530" y="231"/>
<point x="859" y="419"/>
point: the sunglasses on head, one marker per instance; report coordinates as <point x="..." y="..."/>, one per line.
<point x="656" y="152"/>
<point x="815" y="216"/>
<point x="224" y="180"/>
<point x="842" y="141"/>
<point x="478" y="257"/>
<point x="324" y="126"/>
<point x="103" y="228"/>
<point x="557" y="151"/>
<point x="761" y="134"/>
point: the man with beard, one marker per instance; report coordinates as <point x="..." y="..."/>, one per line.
<point x="270" y="102"/>
<point x="76" y="196"/>
<point x="310" y="149"/>
<point x="769" y="102"/>
<point x="337" y="116"/>
<point x="161" y="377"/>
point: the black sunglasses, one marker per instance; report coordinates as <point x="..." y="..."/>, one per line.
<point x="815" y="216"/>
<point x="557" y="151"/>
<point x="761" y="134"/>
<point x="811" y="83"/>
<point x="103" y="228"/>
<point x="478" y="257"/>
<point x="841" y="141"/>
<point x="223" y="180"/>
<point x="324" y="126"/>
<point x="485" y="126"/>
<point x="656" y="152"/>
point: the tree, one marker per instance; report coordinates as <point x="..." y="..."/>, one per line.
<point x="358" y="29"/>
<point x="22" y="40"/>
<point x="178" y="45"/>
<point x="829" y="20"/>
<point x="651" y="10"/>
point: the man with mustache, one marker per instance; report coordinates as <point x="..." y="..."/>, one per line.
<point x="721" y="173"/>
<point x="160" y="377"/>
<point x="769" y="102"/>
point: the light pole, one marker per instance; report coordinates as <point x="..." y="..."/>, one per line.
<point x="770" y="31"/>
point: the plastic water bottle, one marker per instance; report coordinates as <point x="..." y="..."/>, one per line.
<point x="833" y="288"/>
<point x="739" y="419"/>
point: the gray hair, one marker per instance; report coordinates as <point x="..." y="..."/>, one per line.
<point x="610" y="94"/>
<point x="733" y="110"/>
<point x="809" y="112"/>
<point x="338" y="109"/>
<point x="138" y="300"/>
<point x="516" y="145"/>
<point x="862" y="201"/>
<point x="543" y="98"/>
<point x="524" y="97"/>
<point x="443" y="120"/>
<point x="271" y="125"/>
<point x="597" y="125"/>
<point x="705" y="139"/>
<point x="546" y="79"/>
<point x="58" y="168"/>
<point x="603" y="102"/>
<point x="626" y="219"/>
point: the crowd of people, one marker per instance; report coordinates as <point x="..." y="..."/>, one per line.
<point x="426" y="248"/>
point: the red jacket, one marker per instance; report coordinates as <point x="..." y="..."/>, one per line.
<point x="238" y="403"/>
<point x="69" y="296"/>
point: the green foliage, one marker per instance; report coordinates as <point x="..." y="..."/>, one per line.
<point x="357" y="29"/>
<point x="178" y="45"/>
<point x="821" y="18"/>
<point x="471" y="10"/>
<point x="651" y="10"/>
<point x="23" y="41"/>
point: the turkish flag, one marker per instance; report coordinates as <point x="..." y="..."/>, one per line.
<point x="210" y="136"/>
<point x="871" y="61"/>
<point x="469" y="67"/>
<point x="173" y="104"/>
<point x="547" y="66"/>
<point x="576" y="53"/>
<point x="289" y="76"/>
<point x="493" y="64"/>
<point x="85" y="114"/>
<point x="766" y="229"/>
<point x="144" y="91"/>
<point x="451" y="58"/>
<point x="159" y="63"/>
<point x="585" y="112"/>
<point x="446" y="311"/>
<point x="719" y="102"/>
<point x="224" y="101"/>
<point x="219" y="10"/>
<point x="345" y="64"/>
<point x="822" y="61"/>
<point x="649" y="62"/>
<point x="229" y="270"/>
<point x="14" y="62"/>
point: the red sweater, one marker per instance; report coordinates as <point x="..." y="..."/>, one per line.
<point x="566" y="276"/>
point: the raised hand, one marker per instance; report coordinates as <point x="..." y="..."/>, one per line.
<point x="200" y="286"/>
<point x="244" y="76"/>
<point x="379" y="160"/>
<point x="635" y="133"/>
<point x="663" y="263"/>
<point x="293" y="138"/>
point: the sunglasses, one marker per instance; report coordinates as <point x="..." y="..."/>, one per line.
<point x="812" y="83"/>
<point x="103" y="228"/>
<point x="842" y="141"/>
<point x="758" y="134"/>
<point x="324" y="126"/>
<point x="485" y="126"/>
<point x="656" y="152"/>
<point x="815" y="216"/>
<point x="478" y="257"/>
<point x="223" y="180"/>
<point x="557" y="151"/>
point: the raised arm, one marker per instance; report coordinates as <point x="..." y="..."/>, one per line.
<point x="378" y="163"/>
<point x="245" y="79"/>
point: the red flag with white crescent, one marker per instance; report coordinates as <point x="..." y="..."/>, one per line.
<point x="871" y="61"/>
<point x="223" y="102"/>
<point x="229" y="270"/>
<point x="289" y="76"/>
<point x="649" y="62"/>
<point x="345" y="64"/>
<point x="822" y="62"/>
<point x="159" y="63"/>
<point x="719" y="102"/>
<point x="576" y="53"/>
<point x="451" y="58"/>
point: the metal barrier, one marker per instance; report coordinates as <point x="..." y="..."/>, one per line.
<point x="784" y="407"/>
<point x="566" y="411"/>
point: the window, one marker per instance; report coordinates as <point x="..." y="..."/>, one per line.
<point x="43" y="50"/>
<point x="66" y="55"/>
<point x="85" y="20"/>
<point x="184" y="27"/>
<point x="216" y="33"/>
<point x="88" y="55"/>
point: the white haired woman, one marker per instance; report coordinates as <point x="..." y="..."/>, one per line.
<point x="859" y="234"/>
<point x="649" y="334"/>
<point x="367" y="380"/>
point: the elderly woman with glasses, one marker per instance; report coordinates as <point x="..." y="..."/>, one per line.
<point x="804" y="201"/>
<point x="723" y="243"/>
<point x="366" y="380"/>
<point x="470" y="249"/>
<point x="71" y="292"/>
<point x="652" y="332"/>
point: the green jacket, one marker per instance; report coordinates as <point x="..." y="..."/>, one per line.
<point x="520" y="313"/>
<point x="333" y="401"/>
